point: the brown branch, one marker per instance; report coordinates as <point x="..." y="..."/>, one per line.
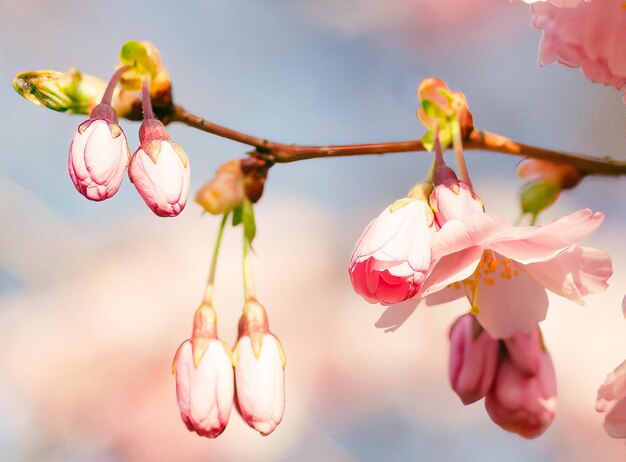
<point x="476" y="139"/>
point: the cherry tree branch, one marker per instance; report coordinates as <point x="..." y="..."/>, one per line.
<point x="275" y="152"/>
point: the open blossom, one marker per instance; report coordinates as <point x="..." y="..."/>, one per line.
<point x="473" y="359"/>
<point x="391" y="258"/>
<point x="520" y="403"/>
<point x="159" y="170"/>
<point x="99" y="155"/>
<point x="591" y="36"/>
<point x="259" y="363"/>
<point x="612" y="402"/>
<point x="505" y="270"/>
<point x="204" y="377"/>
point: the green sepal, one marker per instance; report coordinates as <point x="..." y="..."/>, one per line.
<point x="249" y="224"/>
<point x="432" y="110"/>
<point x="237" y="215"/>
<point x="428" y="140"/>
<point x="135" y="54"/>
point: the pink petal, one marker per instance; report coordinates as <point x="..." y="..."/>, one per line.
<point x="507" y="305"/>
<point x="451" y="269"/>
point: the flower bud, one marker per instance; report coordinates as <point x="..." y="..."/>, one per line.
<point x="159" y="170"/>
<point x="525" y="351"/>
<point x="98" y="155"/>
<point x="259" y="363"/>
<point x="225" y="191"/>
<point x="204" y="377"/>
<point x="72" y="92"/>
<point x="444" y="104"/>
<point x="473" y="359"/>
<point x="521" y="404"/>
<point x="392" y="257"/>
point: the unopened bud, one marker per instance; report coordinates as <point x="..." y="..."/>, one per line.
<point x="225" y="191"/>
<point x="259" y="363"/>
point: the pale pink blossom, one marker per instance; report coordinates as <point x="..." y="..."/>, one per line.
<point x="159" y="170"/>
<point x="522" y="404"/>
<point x="591" y="36"/>
<point x="98" y="158"/>
<point x="504" y="270"/>
<point x="391" y="258"/>
<point x="204" y="377"/>
<point x="473" y="359"/>
<point x="205" y="393"/>
<point x="259" y="363"/>
<point x="611" y="401"/>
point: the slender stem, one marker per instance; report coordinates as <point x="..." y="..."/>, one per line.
<point x="457" y="143"/>
<point x="146" y="101"/>
<point x="115" y="78"/>
<point x="476" y="139"/>
<point x="208" y="293"/>
<point x="248" y="281"/>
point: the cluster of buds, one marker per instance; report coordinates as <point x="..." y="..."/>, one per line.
<point x="515" y="376"/>
<point x="207" y="386"/>
<point x="99" y="152"/>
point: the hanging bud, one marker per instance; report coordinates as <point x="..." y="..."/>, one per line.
<point x="473" y="359"/>
<point x="99" y="155"/>
<point x="159" y="170"/>
<point x="521" y="404"/>
<point x="388" y="264"/>
<point x="204" y="377"/>
<point x="225" y="191"/>
<point x="259" y="363"/>
<point x="451" y="199"/>
<point x="525" y="351"/>
<point x="545" y="181"/>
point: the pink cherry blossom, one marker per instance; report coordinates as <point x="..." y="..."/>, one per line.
<point x="98" y="158"/>
<point x="260" y="382"/>
<point x="205" y="393"/>
<point x="391" y="258"/>
<point x="591" y="36"/>
<point x="159" y="170"/>
<point x="612" y="402"/>
<point x="473" y="359"/>
<point x="505" y="270"/>
<point x="521" y="404"/>
<point x="259" y="363"/>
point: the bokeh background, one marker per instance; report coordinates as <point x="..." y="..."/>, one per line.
<point x="95" y="298"/>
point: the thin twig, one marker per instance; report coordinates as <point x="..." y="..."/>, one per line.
<point x="475" y="140"/>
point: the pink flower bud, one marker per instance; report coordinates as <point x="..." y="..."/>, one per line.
<point x="473" y="359"/>
<point x="521" y="404"/>
<point x="205" y="393"/>
<point x="98" y="156"/>
<point x="259" y="363"/>
<point x="204" y="377"/>
<point x="454" y="201"/>
<point x="159" y="170"/>
<point x="392" y="257"/>
<point x="611" y="401"/>
<point x="526" y="351"/>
